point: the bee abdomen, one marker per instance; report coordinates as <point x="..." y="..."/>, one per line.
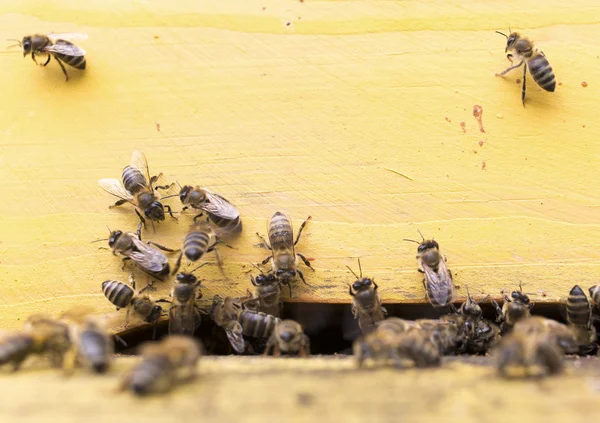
<point x="149" y="375"/>
<point x="231" y="226"/>
<point x="95" y="349"/>
<point x="77" y="62"/>
<point x="195" y="245"/>
<point x="595" y="294"/>
<point x="542" y="72"/>
<point x="117" y="293"/>
<point x="578" y="307"/>
<point x="133" y="180"/>
<point x="15" y="348"/>
<point x="280" y="231"/>
<point x="257" y="325"/>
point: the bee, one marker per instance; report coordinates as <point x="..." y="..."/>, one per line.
<point x="267" y="294"/>
<point x="514" y="309"/>
<point x="595" y="295"/>
<point x="282" y="245"/>
<point x="523" y="51"/>
<point x="448" y="336"/>
<point x="199" y="240"/>
<point x="124" y="296"/>
<point x="41" y="336"/>
<point x="437" y="282"/>
<point x="288" y="337"/>
<point x="476" y="336"/>
<point x="366" y="303"/>
<point x="579" y="314"/>
<point x="184" y="314"/>
<point x="236" y="321"/>
<point x="56" y="45"/>
<point x="137" y="189"/>
<point x="93" y="346"/>
<point x="165" y="363"/>
<point x="421" y="347"/>
<point x="220" y="211"/>
<point x="149" y="259"/>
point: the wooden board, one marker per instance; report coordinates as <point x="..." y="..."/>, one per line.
<point x="232" y="389"/>
<point x="358" y="113"/>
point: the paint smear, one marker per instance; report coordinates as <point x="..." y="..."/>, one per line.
<point x="483" y="165"/>
<point x="584" y="84"/>
<point x="477" y="113"/>
<point x="463" y="126"/>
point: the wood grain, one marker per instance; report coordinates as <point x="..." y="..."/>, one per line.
<point x="320" y="117"/>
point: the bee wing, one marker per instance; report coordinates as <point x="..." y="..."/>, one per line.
<point x="235" y="336"/>
<point x="219" y="206"/>
<point x="114" y="187"/>
<point x="182" y="320"/>
<point x="148" y="257"/>
<point x="75" y="36"/>
<point x="66" y="49"/>
<point x="439" y="284"/>
<point x="138" y="160"/>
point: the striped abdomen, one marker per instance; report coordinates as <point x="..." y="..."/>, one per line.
<point x="95" y="348"/>
<point x="595" y="295"/>
<point x="15" y="348"/>
<point x="281" y="234"/>
<point x="229" y="226"/>
<point x="195" y="244"/>
<point x="541" y="71"/>
<point x="256" y="324"/>
<point x="578" y="308"/>
<point x="420" y="348"/>
<point x="77" y="62"/>
<point x="133" y="180"/>
<point x="118" y="293"/>
<point x="153" y="374"/>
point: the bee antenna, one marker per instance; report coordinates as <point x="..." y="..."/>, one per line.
<point x="179" y="184"/>
<point x="355" y="275"/>
<point x="169" y="196"/>
<point x="419" y="231"/>
<point x="520" y="287"/>
<point x="98" y="240"/>
<point x="14" y="45"/>
<point x="469" y="294"/>
<point x="359" y="267"/>
<point x="411" y="240"/>
<point x="257" y="268"/>
<point x="502" y="33"/>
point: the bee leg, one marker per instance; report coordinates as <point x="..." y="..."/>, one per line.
<point x="177" y="263"/>
<point x="350" y="290"/>
<point x="165" y="187"/>
<point x="300" y="229"/>
<point x="124" y="262"/>
<point x="270" y="345"/>
<point x="62" y="67"/>
<point x="142" y="220"/>
<point x="169" y="210"/>
<point x="264" y="244"/>
<point x="33" y="58"/>
<point x="47" y="60"/>
<point x="265" y="261"/>
<point x="524" y="89"/>
<point x="499" y="317"/>
<point x="162" y="247"/>
<point x="305" y="261"/>
<point x="509" y="69"/>
<point x="509" y="57"/>
<point x="302" y="277"/>
<point x="304" y="347"/>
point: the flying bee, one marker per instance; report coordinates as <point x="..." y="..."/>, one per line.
<point x="137" y="189"/>
<point x="288" y="337"/>
<point x="579" y="314"/>
<point x="282" y="245"/>
<point x="366" y="303"/>
<point x="515" y="308"/>
<point x="184" y="314"/>
<point x="165" y="363"/>
<point x="267" y="294"/>
<point x="124" y="296"/>
<point x="236" y="321"/>
<point x="56" y="45"/>
<point x="437" y="282"/>
<point x="199" y="240"/>
<point x="150" y="260"/>
<point x="523" y="51"/>
<point x="220" y="211"/>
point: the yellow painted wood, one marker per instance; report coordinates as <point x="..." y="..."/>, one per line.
<point x="232" y="389"/>
<point x="320" y="117"/>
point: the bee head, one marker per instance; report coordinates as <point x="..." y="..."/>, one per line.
<point x="287" y="336"/>
<point x="520" y="297"/>
<point x="114" y="237"/>
<point x="154" y="314"/>
<point x="26" y="44"/>
<point x="265" y="279"/>
<point x="186" y="278"/>
<point x="155" y="211"/>
<point x="285" y="276"/>
<point x="362" y="284"/>
<point x="470" y="307"/>
<point x="183" y="194"/>
<point x="428" y="244"/>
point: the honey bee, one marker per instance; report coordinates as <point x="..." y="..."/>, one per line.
<point x="236" y="321"/>
<point x="446" y="334"/>
<point x="523" y="51"/>
<point x="579" y="314"/>
<point x="137" y="189"/>
<point x="476" y="335"/>
<point x="537" y="346"/>
<point x="165" y="363"/>
<point x="288" y="337"/>
<point x="92" y="345"/>
<point x="366" y="303"/>
<point x="282" y="245"/>
<point x="56" y="45"/>
<point x="267" y="294"/>
<point x="199" y="240"/>
<point x="514" y="309"/>
<point x="184" y="314"/>
<point x="147" y="258"/>
<point x="220" y="211"/>
<point x="437" y="282"/>
<point x="124" y="296"/>
<point x="421" y="347"/>
<point x="41" y="336"/>
<point x="595" y="295"/>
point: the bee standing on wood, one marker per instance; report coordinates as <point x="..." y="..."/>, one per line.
<point x="579" y="314"/>
<point x="220" y="211"/>
<point x="516" y="308"/>
<point x="184" y="314"/>
<point x="236" y="321"/>
<point x="267" y="294"/>
<point x="366" y="303"/>
<point x="288" y="337"/>
<point x="148" y="259"/>
<point x="282" y="245"/>
<point x="124" y="296"/>
<point x="199" y="240"/>
<point x="523" y="51"/>
<point x="437" y="282"/>
<point x="137" y="189"/>
<point x="165" y="363"/>
<point x="56" y="45"/>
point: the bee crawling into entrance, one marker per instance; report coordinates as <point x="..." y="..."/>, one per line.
<point x="366" y="303"/>
<point x="288" y="337"/>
